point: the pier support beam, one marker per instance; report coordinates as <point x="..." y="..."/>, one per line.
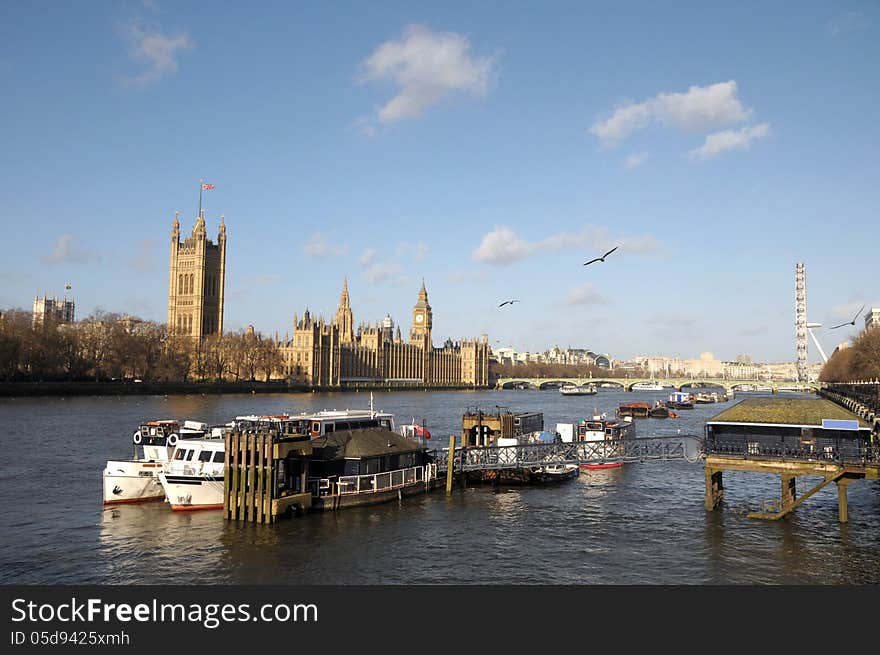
<point x="789" y="490"/>
<point x="714" y="488"/>
<point x="842" y="508"/>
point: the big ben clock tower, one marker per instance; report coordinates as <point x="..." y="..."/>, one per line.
<point x="422" y="320"/>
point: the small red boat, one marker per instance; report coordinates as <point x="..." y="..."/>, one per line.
<point x="597" y="467"/>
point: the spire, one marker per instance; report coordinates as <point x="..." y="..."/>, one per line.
<point x="222" y="235"/>
<point x="423" y="294"/>
<point x="344" y="299"/>
<point x="175" y="228"/>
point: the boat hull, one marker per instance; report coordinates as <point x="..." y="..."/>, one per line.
<point x="187" y="493"/>
<point x="601" y="467"/>
<point x="550" y="475"/>
<point x="131" y="481"/>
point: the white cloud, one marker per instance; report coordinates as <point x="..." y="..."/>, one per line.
<point x="367" y="257"/>
<point x="157" y="51"/>
<point x="699" y="108"/>
<point x="378" y="273"/>
<point x="584" y="295"/>
<point x="317" y="247"/>
<point x="503" y="246"/>
<point x="852" y="21"/>
<point x="417" y="251"/>
<point x="741" y="139"/>
<point x="427" y="67"/>
<point x="65" y="252"/>
<point x="636" y="160"/>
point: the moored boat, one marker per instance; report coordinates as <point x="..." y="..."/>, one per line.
<point x="634" y="409"/>
<point x="680" y="400"/>
<point x="555" y="473"/>
<point x="136" y="480"/>
<point x="601" y="429"/>
<point x="193" y="479"/>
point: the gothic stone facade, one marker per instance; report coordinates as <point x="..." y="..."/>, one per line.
<point x="333" y="354"/>
<point x="196" y="279"/>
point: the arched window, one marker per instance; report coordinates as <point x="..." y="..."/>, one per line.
<point x="180" y="284"/>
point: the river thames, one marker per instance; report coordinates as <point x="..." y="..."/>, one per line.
<point x="644" y="523"/>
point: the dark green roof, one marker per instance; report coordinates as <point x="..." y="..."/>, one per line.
<point x="360" y="444"/>
<point x="787" y="411"/>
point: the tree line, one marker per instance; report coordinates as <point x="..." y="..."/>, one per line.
<point x="859" y="361"/>
<point x="108" y="346"/>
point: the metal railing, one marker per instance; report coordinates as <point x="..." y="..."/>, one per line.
<point x="837" y="451"/>
<point x="687" y="447"/>
<point x="373" y="483"/>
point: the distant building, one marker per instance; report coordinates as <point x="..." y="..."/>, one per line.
<point x="872" y="318"/>
<point x="196" y="279"/>
<point x="59" y="311"/>
<point x="334" y="354"/>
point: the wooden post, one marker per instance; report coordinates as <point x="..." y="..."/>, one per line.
<point x="842" y="509"/>
<point x="449" y="464"/>
<point x="789" y="490"/>
<point x="714" y="488"/>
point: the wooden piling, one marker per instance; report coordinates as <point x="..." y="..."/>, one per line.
<point x="842" y="507"/>
<point x="449" y="464"/>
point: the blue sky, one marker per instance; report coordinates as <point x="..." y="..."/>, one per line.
<point x="489" y="148"/>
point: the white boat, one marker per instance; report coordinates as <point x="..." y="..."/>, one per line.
<point x="415" y="431"/>
<point x="654" y="385"/>
<point x="193" y="478"/>
<point x="578" y="389"/>
<point x="136" y="480"/>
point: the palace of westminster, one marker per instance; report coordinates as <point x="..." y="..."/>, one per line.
<point x="326" y="354"/>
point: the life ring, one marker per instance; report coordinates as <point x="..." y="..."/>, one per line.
<point x="136" y="437"/>
<point x="172" y="439"/>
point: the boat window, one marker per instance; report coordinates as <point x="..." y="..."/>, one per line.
<point x="180" y="454"/>
<point x="218" y="456"/>
<point x="329" y="427"/>
<point x="190" y="454"/>
<point x="205" y="456"/>
<point x="386" y="424"/>
<point x="342" y="425"/>
<point x="316" y="427"/>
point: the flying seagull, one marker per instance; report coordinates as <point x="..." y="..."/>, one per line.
<point x="602" y="258"/>
<point x="508" y="302"/>
<point x="852" y="322"/>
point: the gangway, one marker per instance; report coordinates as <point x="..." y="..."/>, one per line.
<point x="484" y="458"/>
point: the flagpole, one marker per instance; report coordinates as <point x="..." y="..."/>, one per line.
<point x="200" y="197"/>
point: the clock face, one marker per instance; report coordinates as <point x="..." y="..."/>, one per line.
<point x="419" y="318"/>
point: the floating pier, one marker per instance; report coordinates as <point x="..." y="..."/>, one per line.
<point x="790" y="438"/>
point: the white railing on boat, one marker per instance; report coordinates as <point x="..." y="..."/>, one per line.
<point x="376" y="482"/>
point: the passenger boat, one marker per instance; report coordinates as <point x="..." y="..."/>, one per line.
<point x="647" y="386"/>
<point x="136" y="480"/>
<point x="193" y="479"/>
<point x="578" y="389"/>
<point x="635" y="410"/>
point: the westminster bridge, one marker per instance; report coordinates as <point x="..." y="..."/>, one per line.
<point x="670" y="383"/>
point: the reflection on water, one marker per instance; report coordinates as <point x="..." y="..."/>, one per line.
<point x="644" y="523"/>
